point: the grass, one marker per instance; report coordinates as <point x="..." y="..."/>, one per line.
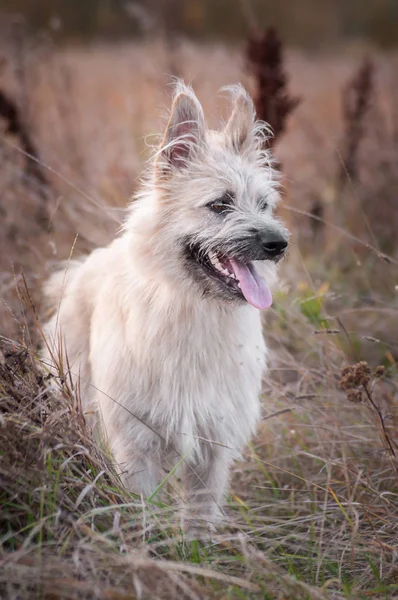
<point x="299" y="525"/>
<point x="312" y="510"/>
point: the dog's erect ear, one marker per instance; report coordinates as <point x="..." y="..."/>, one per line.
<point x="184" y="133"/>
<point x="239" y="128"/>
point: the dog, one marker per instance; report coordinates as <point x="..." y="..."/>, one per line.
<point x="162" y="328"/>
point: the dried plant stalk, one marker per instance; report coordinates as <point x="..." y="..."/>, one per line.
<point x="357" y="99"/>
<point x="272" y="99"/>
<point x="15" y="126"/>
<point x="358" y="383"/>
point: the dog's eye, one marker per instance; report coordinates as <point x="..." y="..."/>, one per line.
<point x="221" y="205"/>
<point x="263" y="205"/>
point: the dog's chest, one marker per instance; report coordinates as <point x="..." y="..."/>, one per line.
<point x="202" y="376"/>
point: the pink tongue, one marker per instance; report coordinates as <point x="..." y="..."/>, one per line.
<point x="253" y="286"/>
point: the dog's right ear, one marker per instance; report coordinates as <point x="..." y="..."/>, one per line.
<point x="184" y="135"/>
<point x="239" y="129"/>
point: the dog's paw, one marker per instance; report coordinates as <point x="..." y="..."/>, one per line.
<point x="198" y="529"/>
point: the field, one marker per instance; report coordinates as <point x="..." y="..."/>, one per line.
<point x="313" y="506"/>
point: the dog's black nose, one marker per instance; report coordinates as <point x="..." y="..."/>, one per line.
<point x="273" y="244"/>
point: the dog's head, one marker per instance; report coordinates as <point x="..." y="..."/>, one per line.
<point x="213" y="198"/>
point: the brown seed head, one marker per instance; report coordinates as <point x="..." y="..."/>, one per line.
<point x="354" y="376"/>
<point x="379" y="371"/>
<point x="355" y="396"/>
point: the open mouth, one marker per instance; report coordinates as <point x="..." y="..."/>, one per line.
<point x="240" y="277"/>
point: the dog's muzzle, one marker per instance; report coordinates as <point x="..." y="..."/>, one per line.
<point x="273" y="245"/>
<point x="233" y="266"/>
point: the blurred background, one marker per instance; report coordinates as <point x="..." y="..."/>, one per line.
<point x="306" y="23"/>
<point x="84" y="91"/>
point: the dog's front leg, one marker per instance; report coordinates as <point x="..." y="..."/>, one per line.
<point x="137" y="463"/>
<point x="205" y="483"/>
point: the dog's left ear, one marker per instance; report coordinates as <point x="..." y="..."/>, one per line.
<point x="239" y="128"/>
<point x="185" y="133"/>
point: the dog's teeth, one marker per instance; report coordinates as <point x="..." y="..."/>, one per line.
<point x="218" y="266"/>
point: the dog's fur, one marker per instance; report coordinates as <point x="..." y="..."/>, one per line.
<point x="169" y="356"/>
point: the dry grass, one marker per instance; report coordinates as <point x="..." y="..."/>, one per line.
<point x="312" y="511"/>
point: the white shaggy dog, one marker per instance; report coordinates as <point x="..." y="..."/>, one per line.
<point x="162" y="328"/>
